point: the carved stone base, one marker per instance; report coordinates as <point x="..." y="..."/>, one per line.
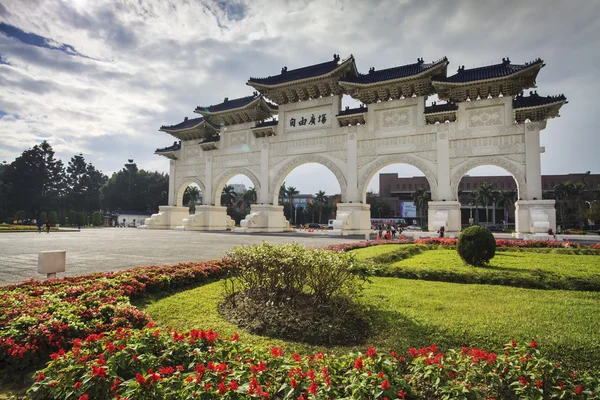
<point x="444" y="213"/>
<point x="534" y="217"/>
<point x="168" y="217"/>
<point x="352" y="219"/>
<point x="208" y="218"/>
<point x="264" y="218"/>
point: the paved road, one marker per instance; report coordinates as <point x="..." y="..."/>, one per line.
<point x="113" y="249"/>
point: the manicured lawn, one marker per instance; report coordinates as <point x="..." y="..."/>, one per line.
<point x="412" y="313"/>
<point x="530" y="269"/>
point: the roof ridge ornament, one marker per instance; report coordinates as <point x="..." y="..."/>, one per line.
<point x="336" y="57"/>
<point x="420" y="60"/>
<point x="461" y="69"/>
<point x="284" y="70"/>
<point x="371" y="70"/>
<point x="505" y="61"/>
<point x="226" y="100"/>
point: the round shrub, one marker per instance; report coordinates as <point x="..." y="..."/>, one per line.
<point x="476" y="245"/>
<point x="290" y="292"/>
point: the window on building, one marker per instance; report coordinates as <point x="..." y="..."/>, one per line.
<point x="468" y="186"/>
<point x="545" y="185"/>
<point x="404" y="186"/>
<point x="410" y="185"/>
<point x="397" y="186"/>
<point x="502" y="185"/>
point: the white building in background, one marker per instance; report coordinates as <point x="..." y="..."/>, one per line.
<point x="239" y="188"/>
<point x="485" y="120"/>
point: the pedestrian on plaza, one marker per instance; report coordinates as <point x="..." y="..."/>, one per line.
<point x="393" y="231"/>
<point x="380" y="236"/>
<point x="48" y="225"/>
<point x="39" y="225"/>
<point x="441" y="232"/>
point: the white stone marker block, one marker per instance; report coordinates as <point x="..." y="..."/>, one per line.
<point x="51" y="262"/>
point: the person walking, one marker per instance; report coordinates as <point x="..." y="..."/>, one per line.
<point x="39" y="225"/>
<point x="48" y="225"/>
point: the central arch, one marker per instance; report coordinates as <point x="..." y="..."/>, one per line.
<point x="510" y="167"/>
<point x="182" y="185"/>
<point x="297" y="161"/>
<point x="222" y="179"/>
<point x="382" y="162"/>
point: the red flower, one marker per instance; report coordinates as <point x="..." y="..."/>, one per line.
<point x="207" y="386"/>
<point x="296" y="357"/>
<point x="523" y="380"/>
<point x="83" y="397"/>
<point x="385" y="385"/>
<point x="578" y="390"/>
<point x="233" y="385"/>
<point x="313" y="388"/>
<point x="538" y="384"/>
<point x="77" y="385"/>
<point x="513" y="343"/>
<point x="358" y="364"/>
<point x="100" y="372"/>
<point x="222" y="388"/>
<point x="139" y="378"/>
<point x="371" y="352"/>
<point x="115" y="385"/>
<point x="276" y="352"/>
<point x="533" y="344"/>
<point x="40" y="377"/>
<point x="235" y="337"/>
<point x="402" y="394"/>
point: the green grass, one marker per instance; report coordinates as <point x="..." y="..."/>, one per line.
<point x="412" y="313"/>
<point x="538" y="268"/>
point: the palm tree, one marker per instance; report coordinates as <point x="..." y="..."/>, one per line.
<point x="476" y="199"/>
<point x="507" y="199"/>
<point x="192" y="193"/>
<point x="311" y="208"/>
<point x="561" y="191"/>
<point x="228" y="195"/>
<point x="485" y="191"/>
<point x="495" y="198"/>
<point x="320" y="199"/>
<point x="282" y="193"/>
<point x="248" y="198"/>
<point x="421" y="199"/>
<point x="291" y="192"/>
<point x="577" y="192"/>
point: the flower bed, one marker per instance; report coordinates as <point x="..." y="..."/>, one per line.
<point x="38" y="318"/>
<point x="365" y="243"/>
<point x="155" y="364"/>
<point x="506" y="243"/>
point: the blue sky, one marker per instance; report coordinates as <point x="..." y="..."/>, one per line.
<point x="100" y="77"/>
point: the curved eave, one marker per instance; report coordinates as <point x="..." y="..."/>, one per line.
<point x="169" y="154"/>
<point x="548" y="105"/>
<point x="348" y="62"/>
<point x="420" y="75"/>
<point x="204" y="112"/>
<point x="171" y="131"/>
<point x="540" y="112"/>
<point x="533" y="69"/>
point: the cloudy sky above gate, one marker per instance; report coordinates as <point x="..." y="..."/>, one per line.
<point x="100" y="77"/>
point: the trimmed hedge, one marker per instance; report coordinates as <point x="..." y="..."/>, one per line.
<point x="476" y="245"/>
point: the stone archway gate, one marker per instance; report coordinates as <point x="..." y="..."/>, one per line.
<point x="485" y="121"/>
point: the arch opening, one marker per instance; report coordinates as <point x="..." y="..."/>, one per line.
<point x="308" y="192"/>
<point x="487" y="196"/>
<point x="398" y="193"/>
<point x="187" y="196"/>
<point x="237" y="190"/>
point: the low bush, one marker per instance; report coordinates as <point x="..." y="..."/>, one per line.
<point x="476" y="245"/>
<point x="155" y="364"/>
<point x="291" y="292"/>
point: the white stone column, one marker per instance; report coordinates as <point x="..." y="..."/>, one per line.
<point x="263" y="195"/>
<point x="172" y="194"/>
<point x="533" y="167"/>
<point x="443" y="165"/>
<point x="352" y="194"/>
<point x="208" y="182"/>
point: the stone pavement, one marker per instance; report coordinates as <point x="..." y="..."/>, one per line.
<point x="113" y="249"/>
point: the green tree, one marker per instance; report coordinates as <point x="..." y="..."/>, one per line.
<point x="80" y="218"/>
<point x="53" y="218"/>
<point x="291" y="192"/>
<point x="20" y="215"/>
<point x="190" y="196"/>
<point x="486" y="192"/>
<point x="576" y="192"/>
<point x="561" y="192"/>
<point x="36" y="179"/>
<point x="247" y="199"/>
<point x="476" y="200"/>
<point x="379" y="209"/>
<point x="321" y="200"/>
<point x="228" y="195"/>
<point x="311" y="208"/>
<point x="72" y="218"/>
<point x="282" y="193"/>
<point x="97" y="218"/>
<point x="43" y="217"/>
<point x="421" y="199"/>
<point x="506" y="198"/>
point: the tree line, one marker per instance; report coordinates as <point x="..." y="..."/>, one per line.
<point x="37" y="185"/>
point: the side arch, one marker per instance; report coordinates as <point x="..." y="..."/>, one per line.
<point x="517" y="173"/>
<point x="276" y="182"/>
<point x="182" y="184"/>
<point x="222" y="179"/>
<point x="378" y="164"/>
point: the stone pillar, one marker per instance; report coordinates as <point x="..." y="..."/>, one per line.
<point x="208" y="218"/>
<point x="172" y="189"/>
<point x="446" y="214"/>
<point x="533" y="167"/>
<point x="352" y="219"/>
<point x="264" y="218"/>
<point x="352" y="171"/>
<point x="168" y="217"/>
<point x="208" y="181"/>
<point x="443" y="165"/>
<point x="263" y="195"/>
<point x="533" y="218"/>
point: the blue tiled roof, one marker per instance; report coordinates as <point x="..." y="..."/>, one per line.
<point x="394" y="73"/>
<point x="176" y="146"/>
<point x="437" y="108"/>
<point x="187" y="123"/>
<point x="228" y="104"/>
<point x="267" y="123"/>
<point x="535" y="99"/>
<point x="299" y="73"/>
<point x="350" y="111"/>
<point x="488" y="72"/>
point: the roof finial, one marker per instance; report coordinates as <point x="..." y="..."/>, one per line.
<point x="185" y="119"/>
<point x="371" y="70"/>
<point x="506" y="61"/>
<point x="255" y="93"/>
<point x="284" y="70"/>
<point x="226" y="100"/>
<point x="420" y="60"/>
<point x="461" y="69"/>
<point x="336" y="57"/>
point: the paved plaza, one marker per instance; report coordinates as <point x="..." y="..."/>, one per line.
<point x="113" y="249"/>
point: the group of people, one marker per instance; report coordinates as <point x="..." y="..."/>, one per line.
<point x="40" y="224"/>
<point x="388" y="232"/>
